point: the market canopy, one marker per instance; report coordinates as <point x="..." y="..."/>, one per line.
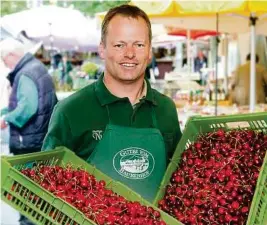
<point x="165" y="9"/>
<point x="56" y="27"/>
<point x="194" y="34"/>
<point x="232" y="15"/>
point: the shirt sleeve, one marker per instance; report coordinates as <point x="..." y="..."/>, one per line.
<point x="265" y="76"/>
<point x="27" y="95"/>
<point x="234" y="79"/>
<point x="4" y="111"/>
<point x="59" y="132"/>
<point x="178" y="133"/>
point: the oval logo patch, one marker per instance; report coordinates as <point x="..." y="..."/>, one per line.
<point x="134" y="163"/>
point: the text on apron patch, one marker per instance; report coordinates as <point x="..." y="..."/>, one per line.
<point x="134" y="163"/>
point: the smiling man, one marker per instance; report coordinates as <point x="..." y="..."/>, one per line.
<point x="120" y="124"/>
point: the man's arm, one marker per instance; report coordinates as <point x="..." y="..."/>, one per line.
<point x="265" y="77"/>
<point x="27" y="106"/>
<point x="265" y="83"/>
<point x="234" y="79"/>
<point x="178" y="133"/>
<point x="176" y="130"/>
<point x="59" y="132"/>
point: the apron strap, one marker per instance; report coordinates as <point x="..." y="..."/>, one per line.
<point x="154" y="119"/>
<point x="109" y="121"/>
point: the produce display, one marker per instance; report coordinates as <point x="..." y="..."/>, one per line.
<point x="215" y="180"/>
<point x="83" y="191"/>
<point x="217" y="176"/>
<point x="98" y="203"/>
<point x="58" y="187"/>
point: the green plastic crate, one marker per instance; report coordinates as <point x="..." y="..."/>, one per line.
<point x="49" y="209"/>
<point x="196" y="125"/>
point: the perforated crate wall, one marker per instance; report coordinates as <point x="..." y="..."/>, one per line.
<point x="199" y="125"/>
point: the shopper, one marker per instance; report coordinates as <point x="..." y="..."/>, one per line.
<point x="31" y="100"/>
<point x="200" y="62"/>
<point x="119" y="123"/>
<point x="241" y="83"/>
<point x="65" y="67"/>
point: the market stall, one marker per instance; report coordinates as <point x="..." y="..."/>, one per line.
<point x="215" y="173"/>
<point x="230" y="17"/>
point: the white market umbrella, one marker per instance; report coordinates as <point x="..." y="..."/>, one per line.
<point x="56" y="27"/>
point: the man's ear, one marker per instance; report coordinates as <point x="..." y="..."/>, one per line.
<point x="101" y="50"/>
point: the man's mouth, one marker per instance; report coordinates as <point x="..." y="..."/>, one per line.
<point x="129" y="65"/>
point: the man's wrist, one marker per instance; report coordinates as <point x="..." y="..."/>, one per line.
<point x="4" y="123"/>
<point x="4" y="120"/>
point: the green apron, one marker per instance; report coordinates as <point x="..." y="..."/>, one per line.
<point x="133" y="156"/>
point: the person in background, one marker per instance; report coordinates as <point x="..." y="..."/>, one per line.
<point x="56" y="59"/>
<point x="31" y="100"/>
<point x="65" y="67"/>
<point x="120" y="124"/>
<point x="200" y="62"/>
<point x="240" y="84"/>
<point x="4" y="96"/>
<point x="152" y="69"/>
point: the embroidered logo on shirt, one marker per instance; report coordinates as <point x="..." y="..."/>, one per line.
<point x="97" y="134"/>
<point x="134" y="163"/>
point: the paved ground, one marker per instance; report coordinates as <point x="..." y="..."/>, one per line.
<point x="9" y="216"/>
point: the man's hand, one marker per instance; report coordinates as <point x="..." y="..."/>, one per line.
<point x="3" y="124"/>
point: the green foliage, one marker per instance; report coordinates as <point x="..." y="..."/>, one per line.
<point x="9" y="7"/>
<point x="89" y="68"/>
<point x="92" y="7"/>
<point x="87" y="7"/>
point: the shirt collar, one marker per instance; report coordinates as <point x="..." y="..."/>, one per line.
<point x="105" y="97"/>
<point x="143" y="93"/>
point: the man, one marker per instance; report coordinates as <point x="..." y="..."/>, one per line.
<point x="120" y="124"/>
<point x="65" y="67"/>
<point x="199" y="62"/>
<point x="241" y="83"/>
<point x="152" y="70"/>
<point x="31" y="100"/>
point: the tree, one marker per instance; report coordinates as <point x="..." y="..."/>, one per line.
<point x="9" y="7"/>
<point x="87" y="7"/>
<point x="91" y="7"/>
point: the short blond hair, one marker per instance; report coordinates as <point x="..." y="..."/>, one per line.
<point x="125" y="11"/>
<point x="10" y="45"/>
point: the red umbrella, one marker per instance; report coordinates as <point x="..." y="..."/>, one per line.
<point x="194" y="34"/>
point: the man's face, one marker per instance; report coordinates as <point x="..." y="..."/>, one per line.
<point x="127" y="50"/>
<point x="200" y="54"/>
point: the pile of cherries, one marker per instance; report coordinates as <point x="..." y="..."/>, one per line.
<point x="216" y="178"/>
<point x="92" y="197"/>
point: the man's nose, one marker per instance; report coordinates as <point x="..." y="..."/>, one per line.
<point x="130" y="52"/>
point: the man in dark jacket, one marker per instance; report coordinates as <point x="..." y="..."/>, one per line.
<point x="31" y="100"/>
<point x="200" y="62"/>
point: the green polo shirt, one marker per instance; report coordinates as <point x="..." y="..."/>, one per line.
<point x="78" y="122"/>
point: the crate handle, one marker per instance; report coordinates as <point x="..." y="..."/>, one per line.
<point x="239" y="124"/>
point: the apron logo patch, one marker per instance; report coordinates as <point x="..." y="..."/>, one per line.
<point x="97" y="134"/>
<point x="134" y="163"/>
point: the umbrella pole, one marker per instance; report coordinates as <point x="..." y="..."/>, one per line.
<point x="188" y="52"/>
<point x="252" y="95"/>
<point x="51" y="46"/>
<point x="216" y="65"/>
<point x="226" y="64"/>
